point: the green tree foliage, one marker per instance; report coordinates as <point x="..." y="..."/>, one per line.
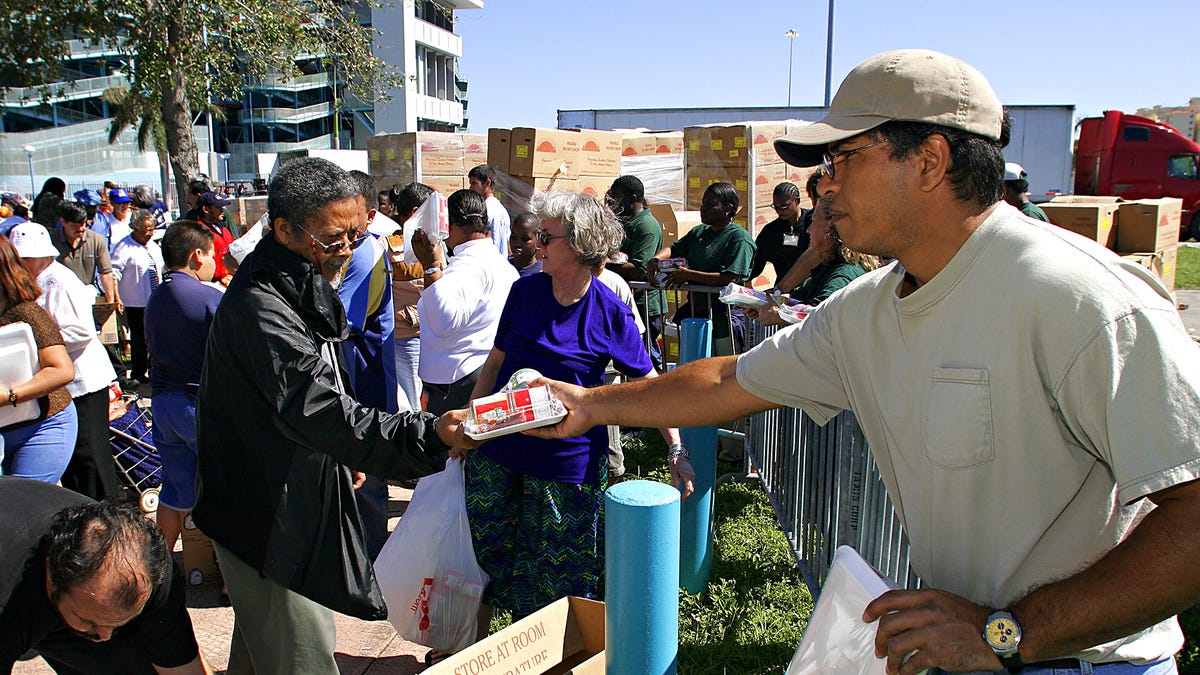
<point x="181" y="55"/>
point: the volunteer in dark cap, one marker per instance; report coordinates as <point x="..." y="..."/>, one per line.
<point x="1031" y="399"/>
<point x="210" y="210"/>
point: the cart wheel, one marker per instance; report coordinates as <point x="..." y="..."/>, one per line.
<point x="149" y="500"/>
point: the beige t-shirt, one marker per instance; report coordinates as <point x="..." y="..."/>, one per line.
<point x="1019" y="406"/>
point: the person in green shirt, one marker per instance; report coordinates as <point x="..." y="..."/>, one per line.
<point x="718" y="252"/>
<point x="643" y="238"/>
<point x="1016" y="187"/>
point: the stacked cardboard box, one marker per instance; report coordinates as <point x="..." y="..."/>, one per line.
<point x="538" y="160"/>
<point x="657" y="159"/>
<point x="199" y="557"/>
<point x="742" y="154"/>
<point x="441" y="160"/>
<point x="1145" y="230"/>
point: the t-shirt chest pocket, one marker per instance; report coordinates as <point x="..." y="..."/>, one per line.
<point x="958" y="421"/>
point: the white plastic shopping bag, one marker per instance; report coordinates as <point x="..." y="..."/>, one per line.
<point x="433" y="217"/>
<point x="427" y="569"/>
<point x="837" y="640"/>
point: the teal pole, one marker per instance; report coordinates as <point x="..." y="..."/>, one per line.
<point x="641" y="553"/>
<point x="696" y="512"/>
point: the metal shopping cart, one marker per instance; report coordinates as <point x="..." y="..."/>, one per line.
<point x="137" y="460"/>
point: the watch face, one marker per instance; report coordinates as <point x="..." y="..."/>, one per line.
<point x="1002" y="634"/>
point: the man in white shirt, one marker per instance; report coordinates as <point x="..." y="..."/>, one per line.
<point x="461" y="303"/>
<point x="92" y="471"/>
<point x="1030" y="398"/>
<point x="114" y="226"/>
<point x="137" y="266"/>
<point x="481" y="180"/>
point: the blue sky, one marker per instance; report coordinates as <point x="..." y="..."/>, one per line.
<point x="526" y="59"/>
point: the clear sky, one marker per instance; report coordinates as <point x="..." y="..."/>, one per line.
<point x="526" y="59"/>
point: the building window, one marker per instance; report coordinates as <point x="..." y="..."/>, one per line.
<point x="431" y="12"/>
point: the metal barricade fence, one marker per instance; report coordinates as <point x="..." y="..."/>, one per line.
<point x="822" y="482"/>
<point x="825" y="488"/>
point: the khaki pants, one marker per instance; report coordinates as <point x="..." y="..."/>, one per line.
<point x="275" y="631"/>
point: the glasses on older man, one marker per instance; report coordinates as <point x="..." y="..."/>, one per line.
<point x="336" y="247"/>
<point x="831" y="158"/>
<point x="544" y="237"/>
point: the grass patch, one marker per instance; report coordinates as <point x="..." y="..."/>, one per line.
<point x="1187" y="267"/>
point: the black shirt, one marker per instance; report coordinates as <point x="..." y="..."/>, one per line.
<point x="163" y="630"/>
<point x="773" y="246"/>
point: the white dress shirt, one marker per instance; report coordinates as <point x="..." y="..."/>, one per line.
<point x="134" y="266"/>
<point x="460" y="311"/>
<point x="69" y="301"/>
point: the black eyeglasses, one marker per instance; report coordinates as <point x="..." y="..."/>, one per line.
<point x="830" y="158"/>
<point x="336" y="247"/>
<point x="544" y="237"/>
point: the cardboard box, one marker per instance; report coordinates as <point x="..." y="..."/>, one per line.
<point x="435" y="153"/>
<point x="566" y="636"/>
<point x="105" y="316"/>
<point x="1096" y="221"/>
<point x="383" y="155"/>
<point x="700" y="177"/>
<point x="596" y="186"/>
<point x="766" y="177"/>
<point x="599" y="153"/>
<point x="499" y="149"/>
<point x="447" y="185"/>
<point x="1161" y="263"/>
<point x="668" y="143"/>
<point x="247" y="211"/>
<point x="731" y="145"/>
<point x="542" y="153"/>
<point x="799" y="176"/>
<point x="638" y="145"/>
<point x="1149" y="224"/>
<point x="1084" y="199"/>
<point x="674" y="223"/>
<point x="199" y="557"/>
<point x="475" y="151"/>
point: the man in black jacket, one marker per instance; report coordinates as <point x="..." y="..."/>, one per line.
<point x="279" y="435"/>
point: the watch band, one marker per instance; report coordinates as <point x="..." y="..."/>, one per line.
<point x="12" y="397"/>
<point x="433" y="270"/>
<point x="1011" y="662"/>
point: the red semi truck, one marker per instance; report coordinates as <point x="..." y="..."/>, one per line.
<point x="1136" y="157"/>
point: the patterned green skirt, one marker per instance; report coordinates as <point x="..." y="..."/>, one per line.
<point x="537" y="540"/>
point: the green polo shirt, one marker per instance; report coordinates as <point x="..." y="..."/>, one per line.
<point x="729" y="249"/>
<point x="644" y="238"/>
<point x="1034" y="211"/>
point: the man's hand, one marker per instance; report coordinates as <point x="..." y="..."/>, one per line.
<point x="930" y="628"/>
<point x="428" y="252"/>
<point x="683" y="477"/>
<point x="577" y="420"/>
<point x="359" y="479"/>
<point x="450" y="430"/>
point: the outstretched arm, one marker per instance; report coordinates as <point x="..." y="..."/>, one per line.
<point x="696" y="394"/>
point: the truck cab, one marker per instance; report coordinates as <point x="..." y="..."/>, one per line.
<point x="1136" y="157"/>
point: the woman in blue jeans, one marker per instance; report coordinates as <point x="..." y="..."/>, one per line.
<point x="40" y="448"/>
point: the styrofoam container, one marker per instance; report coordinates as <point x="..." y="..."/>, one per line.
<point x="18" y="364"/>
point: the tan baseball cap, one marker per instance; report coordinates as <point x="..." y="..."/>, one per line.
<point x="915" y="85"/>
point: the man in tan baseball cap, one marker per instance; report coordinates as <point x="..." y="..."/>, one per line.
<point x="1031" y="400"/>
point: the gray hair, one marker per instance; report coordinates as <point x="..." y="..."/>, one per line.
<point x="306" y="185"/>
<point x="144" y="196"/>
<point x="592" y="230"/>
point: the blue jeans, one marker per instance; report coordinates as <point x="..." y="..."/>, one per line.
<point x="408" y="357"/>
<point x="43" y="450"/>
<point x="174" y="434"/>
<point x="1164" y="667"/>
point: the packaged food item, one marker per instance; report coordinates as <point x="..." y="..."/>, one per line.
<point x="666" y="266"/>
<point x="743" y="296"/>
<point x="515" y="408"/>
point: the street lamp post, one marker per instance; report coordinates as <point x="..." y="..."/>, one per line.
<point x="29" y="150"/>
<point x="791" y="35"/>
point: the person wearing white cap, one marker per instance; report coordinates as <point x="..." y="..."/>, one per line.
<point x="91" y="471"/>
<point x="1032" y="401"/>
<point x="1016" y="188"/>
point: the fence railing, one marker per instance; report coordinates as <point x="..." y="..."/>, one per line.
<point x="825" y="488"/>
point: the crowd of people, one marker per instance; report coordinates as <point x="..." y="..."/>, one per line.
<point x="333" y="347"/>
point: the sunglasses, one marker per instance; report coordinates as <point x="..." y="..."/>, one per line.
<point x="831" y="158"/>
<point x="336" y="247"/>
<point x="544" y="237"/>
<point x="782" y="207"/>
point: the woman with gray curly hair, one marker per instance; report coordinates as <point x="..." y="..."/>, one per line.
<point x="536" y="505"/>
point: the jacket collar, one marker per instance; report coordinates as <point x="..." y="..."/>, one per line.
<point x="300" y="285"/>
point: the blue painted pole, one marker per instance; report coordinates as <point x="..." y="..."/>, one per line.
<point x="696" y="512"/>
<point x="641" y="553"/>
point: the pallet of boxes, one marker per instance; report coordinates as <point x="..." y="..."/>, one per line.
<point x="1145" y="231"/>
<point x="438" y="159"/>
<point x="531" y="160"/>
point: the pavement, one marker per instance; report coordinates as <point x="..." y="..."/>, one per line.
<point x="363" y="647"/>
